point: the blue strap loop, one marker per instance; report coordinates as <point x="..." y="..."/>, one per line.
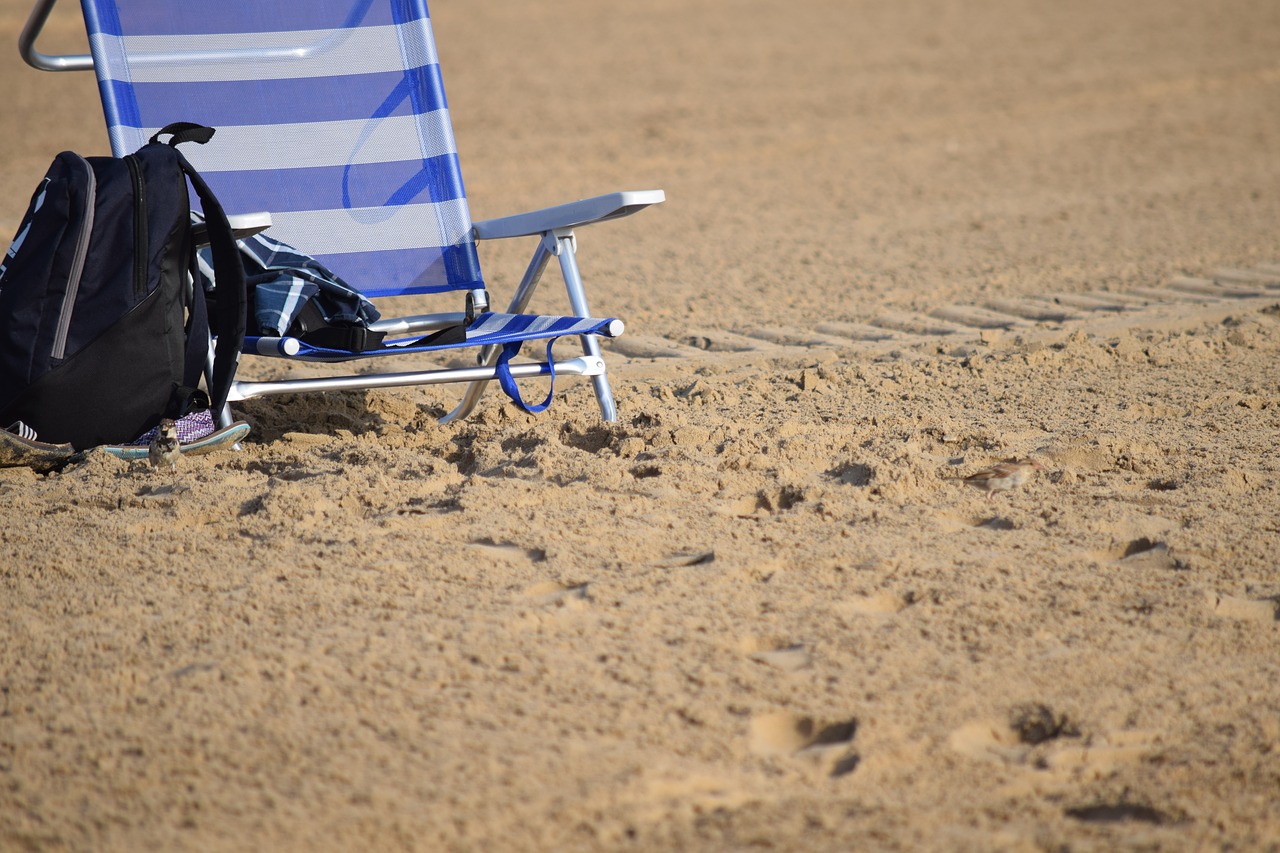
<point x="508" y="382"/>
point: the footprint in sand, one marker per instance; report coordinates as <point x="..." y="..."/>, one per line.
<point x="1100" y="755"/>
<point x="987" y="740"/>
<point x="883" y="603"/>
<point x="506" y="552"/>
<point x="687" y="559"/>
<point x="1244" y="609"/>
<point x="1028" y="724"/>
<point x="781" y="733"/>
<point x="826" y="745"/>
<point x="1120" y="813"/>
<point x="1149" y="553"/>
<point x="1142" y="553"/>
<point x="777" y="652"/>
<point x="550" y="603"/>
<point x="766" y="502"/>
<point x="1051" y="750"/>
<point x="554" y="592"/>
<point x="956" y="523"/>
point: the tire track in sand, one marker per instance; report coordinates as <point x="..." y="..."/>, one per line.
<point x="1183" y="302"/>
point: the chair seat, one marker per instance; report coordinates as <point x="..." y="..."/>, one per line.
<point x="489" y="329"/>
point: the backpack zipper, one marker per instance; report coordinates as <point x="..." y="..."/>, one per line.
<point x="139" y="227"/>
<point x="77" y="264"/>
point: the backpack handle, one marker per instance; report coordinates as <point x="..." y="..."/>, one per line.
<point x="184" y="131"/>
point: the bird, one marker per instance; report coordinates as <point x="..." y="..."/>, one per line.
<point x="165" y="450"/>
<point x="1009" y="474"/>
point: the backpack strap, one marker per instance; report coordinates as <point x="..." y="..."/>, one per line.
<point x="197" y="331"/>
<point x="231" y="302"/>
<point x="188" y="397"/>
<point x="230" y="306"/>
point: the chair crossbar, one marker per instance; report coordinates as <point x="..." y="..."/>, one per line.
<point x="486" y="330"/>
<point x="245" y="390"/>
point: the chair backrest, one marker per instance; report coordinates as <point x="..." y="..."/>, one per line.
<point x="330" y="114"/>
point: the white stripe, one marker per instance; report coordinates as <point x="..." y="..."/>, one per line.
<point x="274" y="147"/>
<point x="265" y="56"/>
<point x="126" y="140"/>
<point x="497" y="323"/>
<point x="291" y="303"/>
<point x="368" y="229"/>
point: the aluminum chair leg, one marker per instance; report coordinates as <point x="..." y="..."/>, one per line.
<point x="223" y="418"/>
<point x="578" y="301"/>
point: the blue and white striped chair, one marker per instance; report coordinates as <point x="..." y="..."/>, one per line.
<point x="331" y="116"/>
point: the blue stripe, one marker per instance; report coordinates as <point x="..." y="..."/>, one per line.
<point x="516" y="326"/>
<point x="101" y="18"/>
<point x="291" y="101"/>
<point x="462" y="266"/>
<point x="407" y="271"/>
<point x="119" y="105"/>
<point x="321" y="188"/>
<point x="158" y="18"/>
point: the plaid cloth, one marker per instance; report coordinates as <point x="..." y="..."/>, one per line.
<point x="282" y="280"/>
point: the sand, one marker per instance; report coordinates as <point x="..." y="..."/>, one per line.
<point x="902" y="242"/>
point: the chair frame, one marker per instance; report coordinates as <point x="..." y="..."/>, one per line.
<point x="553" y="226"/>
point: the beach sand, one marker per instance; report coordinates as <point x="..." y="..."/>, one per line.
<point x="902" y="242"/>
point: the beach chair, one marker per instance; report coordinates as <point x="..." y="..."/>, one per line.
<point x="333" y="128"/>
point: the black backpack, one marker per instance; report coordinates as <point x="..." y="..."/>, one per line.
<point x="101" y="331"/>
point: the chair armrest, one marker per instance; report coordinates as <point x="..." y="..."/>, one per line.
<point x="584" y="212"/>
<point x="242" y="225"/>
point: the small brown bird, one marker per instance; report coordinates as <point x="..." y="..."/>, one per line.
<point x="1002" y="477"/>
<point x="165" y="450"/>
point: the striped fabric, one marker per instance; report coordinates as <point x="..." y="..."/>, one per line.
<point x="330" y="114"/>
<point x="486" y="329"/>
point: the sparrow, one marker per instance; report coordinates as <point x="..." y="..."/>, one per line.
<point x="165" y="449"/>
<point x="1002" y="477"/>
